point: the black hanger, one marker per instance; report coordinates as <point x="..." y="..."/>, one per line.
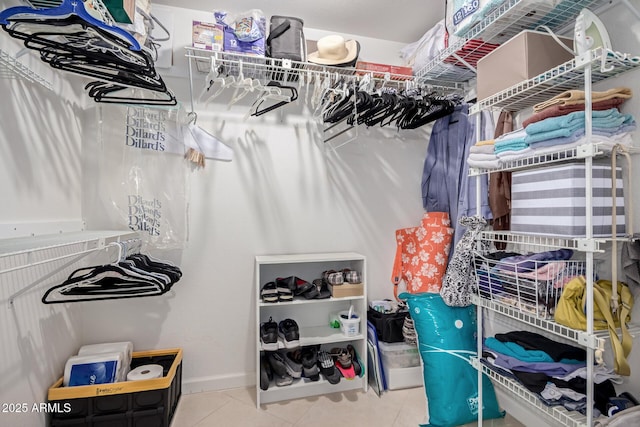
<point x="73" y="44"/>
<point x="292" y="97"/>
<point x="135" y="276"/>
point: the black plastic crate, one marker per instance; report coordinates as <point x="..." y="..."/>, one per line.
<point x="145" y="403"/>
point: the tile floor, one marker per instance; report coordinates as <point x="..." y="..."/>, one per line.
<point x="237" y="408"/>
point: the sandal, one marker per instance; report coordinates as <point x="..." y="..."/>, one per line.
<point x="343" y="362"/>
<point x="355" y="359"/>
<point x="269" y="293"/>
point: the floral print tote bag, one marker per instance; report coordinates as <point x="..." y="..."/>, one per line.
<point x="422" y="253"/>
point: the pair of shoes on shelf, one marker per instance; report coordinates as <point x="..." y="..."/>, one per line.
<point x="339" y="277"/>
<point x="285" y="367"/>
<point x="272" y="292"/>
<point x="347" y="362"/>
<point x="295" y="284"/>
<point x="287" y="330"/>
<point x="343" y="361"/>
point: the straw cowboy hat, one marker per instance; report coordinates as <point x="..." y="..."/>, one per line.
<point x="334" y="50"/>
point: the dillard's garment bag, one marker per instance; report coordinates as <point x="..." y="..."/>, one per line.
<point x="142" y="173"/>
<point x="422" y="253"/>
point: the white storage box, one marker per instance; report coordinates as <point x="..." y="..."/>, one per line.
<point x="552" y="200"/>
<point x="403" y="377"/>
<point x="398" y="355"/>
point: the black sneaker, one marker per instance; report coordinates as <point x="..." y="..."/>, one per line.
<point x="264" y="376"/>
<point x="269" y="335"/>
<point x="288" y="330"/>
<point x="310" y="367"/>
<point x="328" y="368"/>
<point x="293" y="363"/>
<point x="278" y="364"/>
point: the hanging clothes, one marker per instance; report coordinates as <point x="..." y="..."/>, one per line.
<point x="500" y="185"/>
<point x="445" y="181"/>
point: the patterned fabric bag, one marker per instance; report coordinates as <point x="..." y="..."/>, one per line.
<point x="422" y="253"/>
<point x="459" y="280"/>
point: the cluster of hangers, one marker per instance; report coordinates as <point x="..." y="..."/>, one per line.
<point x="68" y="38"/>
<point x="271" y="95"/>
<point x="132" y="275"/>
<point x="335" y="97"/>
<point x="362" y="103"/>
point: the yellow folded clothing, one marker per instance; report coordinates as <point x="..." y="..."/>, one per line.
<point x="575" y="97"/>
<point x="487" y="142"/>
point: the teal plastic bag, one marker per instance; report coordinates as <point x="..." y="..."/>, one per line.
<point x="447" y="341"/>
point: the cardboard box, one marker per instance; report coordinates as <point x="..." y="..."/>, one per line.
<point x="207" y="36"/>
<point x="525" y="56"/>
<point x="347" y="290"/>
<point x="379" y="70"/>
<point x="551" y="200"/>
<point x="141" y="403"/>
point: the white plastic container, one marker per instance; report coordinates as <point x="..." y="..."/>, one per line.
<point x="350" y="327"/>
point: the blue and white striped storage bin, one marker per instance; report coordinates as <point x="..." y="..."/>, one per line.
<point x="551" y="200"/>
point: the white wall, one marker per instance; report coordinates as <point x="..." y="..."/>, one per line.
<point x="40" y="152"/>
<point x="284" y="192"/>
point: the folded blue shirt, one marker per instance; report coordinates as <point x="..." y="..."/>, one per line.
<point x="572" y="120"/>
<point x="515" y="350"/>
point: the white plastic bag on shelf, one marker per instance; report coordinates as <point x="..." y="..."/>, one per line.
<point x="143" y="174"/>
<point x="420" y="53"/>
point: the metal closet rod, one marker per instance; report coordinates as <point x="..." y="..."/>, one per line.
<point x="284" y="69"/>
<point x="77" y="256"/>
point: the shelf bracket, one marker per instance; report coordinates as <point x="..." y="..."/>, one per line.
<point x="46" y="276"/>
<point x="465" y="63"/>
<point x="588" y="245"/>
<point x="586" y="150"/>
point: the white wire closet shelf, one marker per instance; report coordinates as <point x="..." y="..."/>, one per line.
<point x="506" y="21"/>
<point x="283" y="70"/>
<point x="554" y="156"/>
<point x="24" y="252"/>
<point x="557" y="413"/>
<point x="543" y="242"/>
<point x="10" y="67"/>
<point x="528" y="285"/>
<point x="570" y="75"/>
<point x="595" y="341"/>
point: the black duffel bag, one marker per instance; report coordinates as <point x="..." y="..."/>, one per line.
<point x="286" y="39"/>
<point x="388" y="325"/>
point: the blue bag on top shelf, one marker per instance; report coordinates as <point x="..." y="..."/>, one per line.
<point x="244" y="33"/>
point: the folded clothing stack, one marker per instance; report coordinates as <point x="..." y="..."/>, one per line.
<point x="577" y="98"/>
<point x="482" y="155"/>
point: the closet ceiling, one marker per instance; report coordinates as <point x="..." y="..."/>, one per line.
<point x="396" y="20"/>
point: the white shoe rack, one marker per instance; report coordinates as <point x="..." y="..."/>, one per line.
<point x="312" y="317"/>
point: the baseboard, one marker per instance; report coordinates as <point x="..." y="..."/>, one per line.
<point x="218" y="382"/>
